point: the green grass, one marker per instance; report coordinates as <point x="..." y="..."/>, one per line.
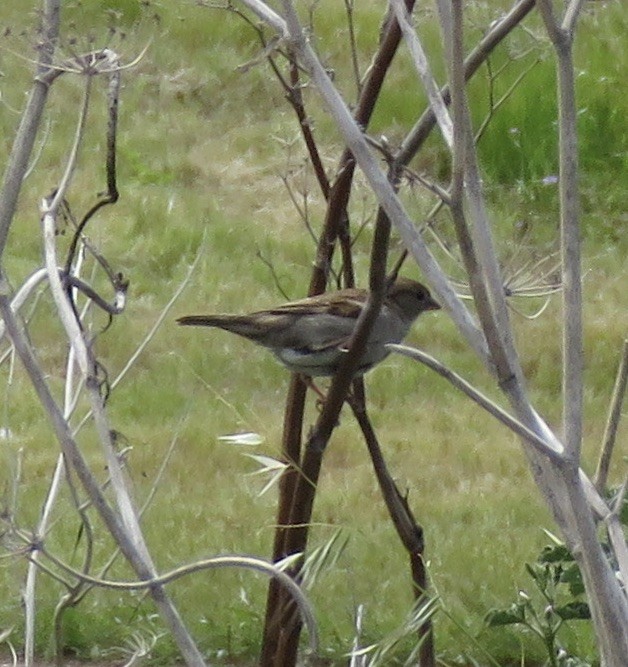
<point x="201" y="151"/>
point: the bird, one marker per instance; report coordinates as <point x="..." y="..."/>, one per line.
<point x="311" y="336"/>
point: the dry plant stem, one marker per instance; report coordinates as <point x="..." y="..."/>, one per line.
<point x="111" y="195"/>
<point x="296" y="100"/>
<point x="496" y="104"/>
<point x="612" y="423"/>
<point x="476" y="242"/>
<point x="291" y="455"/>
<point x="336" y="216"/>
<point x="129" y="536"/>
<point x="573" y="362"/>
<point x="466" y="194"/>
<point x="14" y="175"/>
<point x="484" y="402"/>
<point x="21" y="296"/>
<point x="480" y="53"/>
<point x="421" y="64"/>
<point x="359" y="147"/>
<point x="409" y="531"/>
<point x="349" y="8"/>
<point x="266" y="14"/>
<point x="335" y="226"/>
<point x="29" y="586"/>
<point x="42" y="527"/>
<point x="616" y="532"/>
<point x="77" y="591"/>
<point x="607" y="600"/>
<point x="157" y="582"/>
<point x="608" y="604"/>
<point x="561" y="486"/>
<point x="30" y="121"/>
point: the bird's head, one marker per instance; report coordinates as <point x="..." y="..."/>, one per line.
<point x="411" y="298"/>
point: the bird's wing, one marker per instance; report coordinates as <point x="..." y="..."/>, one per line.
<point x="345" y="303"/>
<point x="303" y="329"/>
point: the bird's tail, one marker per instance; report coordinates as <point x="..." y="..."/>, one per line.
<point x="237" y="324"/>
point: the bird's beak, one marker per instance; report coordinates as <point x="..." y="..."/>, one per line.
<point x="432" y="305"/>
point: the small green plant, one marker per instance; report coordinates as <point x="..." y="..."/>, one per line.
<point x="558" y="580"/>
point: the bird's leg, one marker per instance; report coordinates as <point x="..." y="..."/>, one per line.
<point x="321" y="397"/>
<point x="307" y="380"/>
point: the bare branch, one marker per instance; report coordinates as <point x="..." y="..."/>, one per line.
<point x="262" y="11"/>
<point x="31" y="119"/>
<point x="353" y="47"/>
<point x="276" y="570"/>
<point x="475" y="238"/>
<point x="572" y="13"/>
<point x="541" y="445"/>
<point x="612" y="423"/>
<point x="573" y="359"/>
<point x="423" y="68"/>
<point x="493" y="37"/>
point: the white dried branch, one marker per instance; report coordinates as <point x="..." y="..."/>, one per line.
<point x="574" y="8"/>
<point x="70" y="400"/>
<point x="479" y="251"/>
<point x="93" y="63"/>
<point x="617" y="536"/>
<point x="483" y="401"/>
<point x="64" y="183"/>
<point x="27" y="288"/>
<point x="151" y="332"/>
<point x="275" y="570"/>
<point x="87" y="368"/>
<point x="572" y="348"/>
<point x="422" y="66"/>
<point x="17" y="164"/>
<point x="266" y="14"/>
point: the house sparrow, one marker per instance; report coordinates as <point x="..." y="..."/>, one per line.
<point x="311" y="335"/>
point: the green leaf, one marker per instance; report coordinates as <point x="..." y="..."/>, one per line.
<point x="573" y="578"/>
<point x="511" y="616"/>
<point x="574" y="611"/>
<point x="555" y="554"/>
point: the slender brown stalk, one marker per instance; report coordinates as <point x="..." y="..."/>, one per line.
<point x="296" y="500"/>
<point x="612" y="423"/>
<point x="409" y="531"/>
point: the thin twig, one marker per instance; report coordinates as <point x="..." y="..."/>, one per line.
<point x="64" y="183"/>
<point x="612" y="423"/>
<point x="275" y="570"/>
<point x="353" y="46"/>
<point x="151" y="332"/>
<point x="421" y="64"/>
<point x="542" y="446"/>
